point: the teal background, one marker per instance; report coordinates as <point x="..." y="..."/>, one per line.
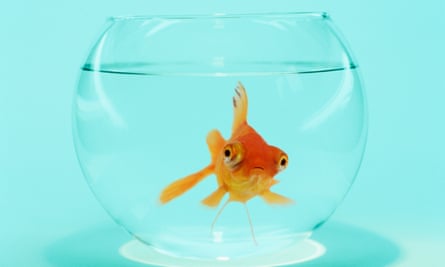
<point x="393" y="216"/>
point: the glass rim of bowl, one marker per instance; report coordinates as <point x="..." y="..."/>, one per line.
<point x="305" y="15"/>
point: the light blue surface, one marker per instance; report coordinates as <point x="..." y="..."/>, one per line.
<point x="49" y="214"/>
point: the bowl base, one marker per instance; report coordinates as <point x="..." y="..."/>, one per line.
<point x="303" y="251"/>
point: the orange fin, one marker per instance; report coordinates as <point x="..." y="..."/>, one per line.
<point x="215" y="198"/>
<point x="181" y="186"/>
<point x="215" y="142"/>
<point x="274" y="198"/>
<point x="239" y="107"/>
<point x="274" y="182"/>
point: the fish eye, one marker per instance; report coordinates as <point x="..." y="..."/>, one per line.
<point x="233" y="154"/>
<point x="227" y="153"/>
<point x="282" y="162"/>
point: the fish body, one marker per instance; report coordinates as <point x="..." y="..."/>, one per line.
<point x="254" y="174"/>
<point x="244" y="165"/>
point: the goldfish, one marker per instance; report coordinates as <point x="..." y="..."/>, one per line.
<point x="244" y="165"/>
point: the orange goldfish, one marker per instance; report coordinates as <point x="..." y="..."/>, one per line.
<point x="244" y="165"/>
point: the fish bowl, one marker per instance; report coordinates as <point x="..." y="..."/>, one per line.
<point x="223" y="139"/>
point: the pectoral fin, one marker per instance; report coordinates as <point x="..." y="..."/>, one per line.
<point x="215" y="198"/>
<point x="181" y="186"/>
<point x="274" y="198"/>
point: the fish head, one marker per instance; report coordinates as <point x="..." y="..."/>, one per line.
<point x="254" y="162"/>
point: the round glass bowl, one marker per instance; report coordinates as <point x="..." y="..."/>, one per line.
<point x="151" y="90"/>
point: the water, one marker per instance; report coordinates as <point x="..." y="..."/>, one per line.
<point x="135" y="133"/>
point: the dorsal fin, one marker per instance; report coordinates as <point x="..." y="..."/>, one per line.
<point x="239" y="107"/>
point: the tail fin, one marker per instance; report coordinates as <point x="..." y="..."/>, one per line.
<point x="239" y="107"/>
<point x="181" y="186"/>
<point x="218" y="214"/>
<point x="252" y="232"/>
<point x="215" y="143"/>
